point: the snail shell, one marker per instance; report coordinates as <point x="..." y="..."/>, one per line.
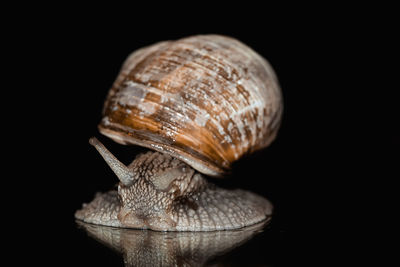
<point x="206" y="100"/>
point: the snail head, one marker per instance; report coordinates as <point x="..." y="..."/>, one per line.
<point x="150" y="186"/>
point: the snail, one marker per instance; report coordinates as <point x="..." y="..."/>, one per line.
<point x="199" y="104"/>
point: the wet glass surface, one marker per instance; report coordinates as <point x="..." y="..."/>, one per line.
<point x="250" y="246"/>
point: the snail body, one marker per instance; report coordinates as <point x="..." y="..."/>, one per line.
<point x="164" y="193"/>
<point x="200" y="104"/>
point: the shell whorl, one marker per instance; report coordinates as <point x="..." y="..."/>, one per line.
<point x="207" y="100"/>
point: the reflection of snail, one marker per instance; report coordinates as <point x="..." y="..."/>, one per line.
<point x="202" y="103"/>
<point x="152" y="248"/>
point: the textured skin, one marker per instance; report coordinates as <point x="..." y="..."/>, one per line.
<point x="168" y="195"/>
<point x="206" y="100"/>
<point x="151" y="248"/>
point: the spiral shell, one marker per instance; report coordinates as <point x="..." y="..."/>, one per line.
<point x="207" y="100"/>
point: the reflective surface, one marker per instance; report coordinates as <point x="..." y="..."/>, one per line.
<point x="151" y="248"/>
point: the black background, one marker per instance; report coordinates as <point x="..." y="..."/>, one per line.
<point x="68" y="61"/>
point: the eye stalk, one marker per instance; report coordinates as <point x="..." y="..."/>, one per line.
<point x="122" y="171"/>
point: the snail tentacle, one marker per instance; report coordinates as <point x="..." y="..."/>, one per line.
<point x="123" y="173"/>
